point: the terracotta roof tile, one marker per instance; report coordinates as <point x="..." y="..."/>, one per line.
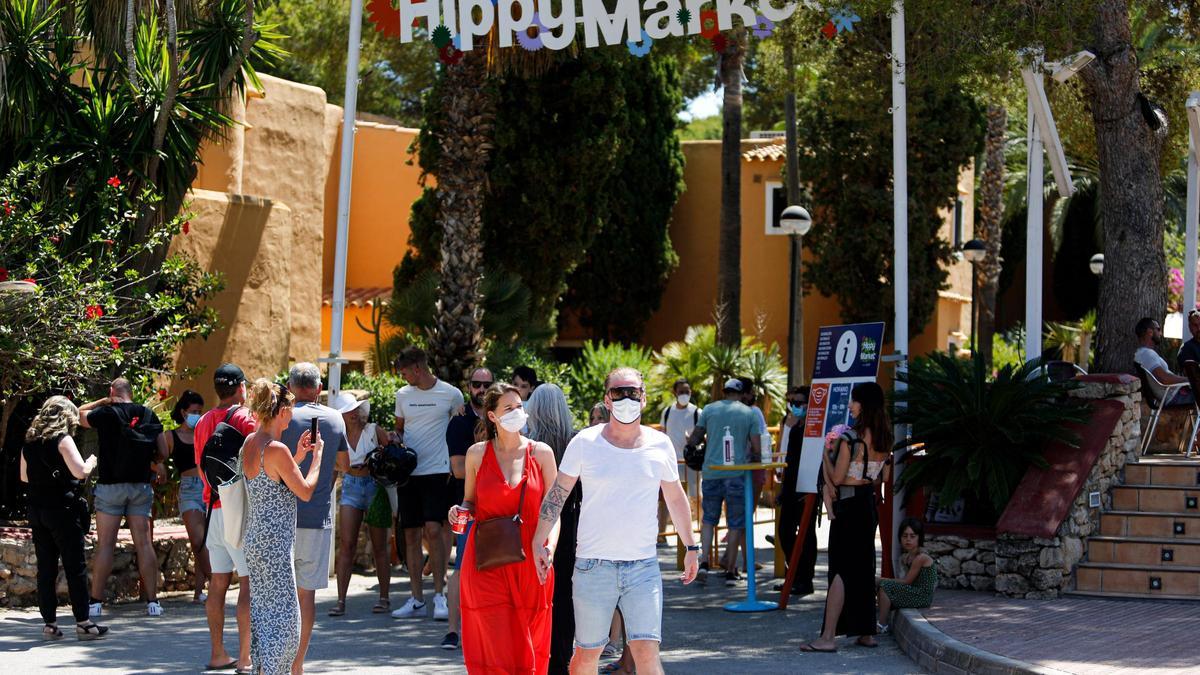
<point x="774" y="152"/>
<point x="358" y="297"/>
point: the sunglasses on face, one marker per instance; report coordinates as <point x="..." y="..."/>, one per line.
<point x="621" y="393"/>
<point x="476" y="384"/>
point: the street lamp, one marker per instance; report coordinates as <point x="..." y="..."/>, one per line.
<point x="1096" y="264"/>
<point x="796" y="221"/>
<point x="974" y="251"/>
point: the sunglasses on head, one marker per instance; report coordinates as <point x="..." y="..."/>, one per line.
<point x="281" y="394"/>
<point x="479" y="384"/>
<point x="621" y="393"/>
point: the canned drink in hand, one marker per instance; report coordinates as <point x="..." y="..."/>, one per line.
<point x="459" y="524"/>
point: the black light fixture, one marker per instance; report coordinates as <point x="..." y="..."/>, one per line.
<point x="974" y="251"/>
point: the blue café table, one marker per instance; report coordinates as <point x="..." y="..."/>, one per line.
<point x="751" y="603"/>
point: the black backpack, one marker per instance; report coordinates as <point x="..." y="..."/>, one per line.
<point x="219" y="459"/>
<point x="139" y="433"/>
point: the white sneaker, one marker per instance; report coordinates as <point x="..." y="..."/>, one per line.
<point x="94" y="610"/>
<point x="153" y="608"/>
<point x="440" y="611"/>
<point x="411" y="609"/>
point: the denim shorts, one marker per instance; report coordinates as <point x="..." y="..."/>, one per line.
<point x="731" y="491"/>
<point x="358" y="491"/>
<point x="124" y="499"/>
<point x="600" y="586"/>
<point x="191" y="494"/>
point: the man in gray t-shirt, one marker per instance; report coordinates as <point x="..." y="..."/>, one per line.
<point x="314" y="533"/>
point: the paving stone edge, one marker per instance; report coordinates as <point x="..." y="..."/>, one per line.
<point x="936" y="652"/>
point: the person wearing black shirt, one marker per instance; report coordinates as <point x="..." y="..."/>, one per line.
<point x="460" y="435"/>
<point x="1190" y="351"/>
<point x="58" y="513"/>
<point x="124" y="487"/>
<point x="791" y="503"/>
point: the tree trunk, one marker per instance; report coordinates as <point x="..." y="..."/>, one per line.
<point x="729" y="261"/>
<point x="469" y="106"/>
<point x="988" y="229"/>
<point x="130" y="32"/>
<point x="1134" y="283"/>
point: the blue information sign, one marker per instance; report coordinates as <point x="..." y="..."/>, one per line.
<point x="850" y="351"/>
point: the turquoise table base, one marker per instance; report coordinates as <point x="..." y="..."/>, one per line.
<point x="751" y="603"/>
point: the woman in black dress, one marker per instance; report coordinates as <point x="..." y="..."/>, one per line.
<point x="58" y="513"/>
<point x="551" y="423"/>
<point x="861" y="462"/>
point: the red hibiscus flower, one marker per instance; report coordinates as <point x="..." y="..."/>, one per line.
<point x="7" y="208"/>
<point x="186" y="226"/>
<point x="114" y="182"/>
<point x="162" y="394"/>
<point x="116" y="344"/>
<point x="94" y="311"/>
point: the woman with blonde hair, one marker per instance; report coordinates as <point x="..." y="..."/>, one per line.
<point x="273" y="482"/>
<point x="58" y="513"/>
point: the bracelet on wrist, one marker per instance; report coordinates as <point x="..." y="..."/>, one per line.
<point x="693" y="548"/>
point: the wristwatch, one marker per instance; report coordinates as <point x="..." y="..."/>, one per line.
<point x="693" y="548"/>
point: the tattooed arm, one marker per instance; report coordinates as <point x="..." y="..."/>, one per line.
<point x="552" y="506"/>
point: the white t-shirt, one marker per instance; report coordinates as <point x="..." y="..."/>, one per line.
<point x="678" y="425"/>
<point x="426" y="414"/>
<point x="1151" y="361"/>
<point x="619" y="516"/>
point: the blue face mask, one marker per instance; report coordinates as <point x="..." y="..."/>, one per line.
<point x="798" y="410"/>
<point x="192" y="420"/>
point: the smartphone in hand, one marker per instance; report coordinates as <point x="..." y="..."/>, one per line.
<point x="312" y="434"/>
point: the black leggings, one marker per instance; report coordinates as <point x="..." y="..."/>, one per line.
<point x="59" y="532"/>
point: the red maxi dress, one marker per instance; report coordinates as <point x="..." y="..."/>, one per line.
<point x="506" y="611"/>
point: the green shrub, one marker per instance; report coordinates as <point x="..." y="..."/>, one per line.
<point x="381" y="390"/>
<point x="980" y="436"/>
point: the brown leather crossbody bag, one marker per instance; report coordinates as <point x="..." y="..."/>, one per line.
<point x="498" y="540"/>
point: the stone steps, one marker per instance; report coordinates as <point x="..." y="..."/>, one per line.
<point x="1148" y="545"/>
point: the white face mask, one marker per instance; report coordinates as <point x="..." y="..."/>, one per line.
<point x="514" y="420"/>
<point x="627" y="410"/>
<point x="683" y="398"/>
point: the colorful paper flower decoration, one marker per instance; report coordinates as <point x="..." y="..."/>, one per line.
<point x="684" y="17"/>
<point x="640" y="48"/>
<point x="764" y="28"/>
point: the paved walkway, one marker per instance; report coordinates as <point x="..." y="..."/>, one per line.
<point x="1075" y="634"/>
<point x="700" y="637"/>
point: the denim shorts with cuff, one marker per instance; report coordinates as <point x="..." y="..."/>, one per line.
<point x="600" y="586"/>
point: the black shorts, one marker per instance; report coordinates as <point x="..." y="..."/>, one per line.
<point x="424" y="499"/>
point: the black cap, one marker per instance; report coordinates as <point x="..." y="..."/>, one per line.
<point x="228" y="375"/>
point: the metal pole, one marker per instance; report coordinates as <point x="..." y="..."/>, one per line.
<point x="899" y="229"/>
<point x="1193" y="215"/>
<point x="345" y="177"/>
<point x="796" y="293"/>
<point x="1033" y="238"/>
<point x="974" y="305"/>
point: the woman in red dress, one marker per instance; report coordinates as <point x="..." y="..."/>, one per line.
<point x="506" y="610"/>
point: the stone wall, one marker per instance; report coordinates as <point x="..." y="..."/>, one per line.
<point x="963" y="563"/>
<point x="1032" y="567"/>
<point x="18" y="568"/>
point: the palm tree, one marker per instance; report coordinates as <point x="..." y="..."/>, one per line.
<point x="729" y="259"/>
<point x="988" y="227"/>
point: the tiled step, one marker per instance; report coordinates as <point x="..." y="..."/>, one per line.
<point x="1156" y="498"/>
<point x="1143" y="580"/>
<point x="1132" y="596"/>
<point x="1167" y="525"/>
<point x="1165" y="552"/>
<point x="1182" y="473"/>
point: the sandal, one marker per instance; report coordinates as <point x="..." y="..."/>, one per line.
<point x="383" y="605"/>
<point x="90" y="631"/>
<point x="338" y="609"/>
<point x="51" y="632"/>
<point x="809" y="647"/>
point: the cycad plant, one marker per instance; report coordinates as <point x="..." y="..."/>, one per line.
<point x="981" y="435"/>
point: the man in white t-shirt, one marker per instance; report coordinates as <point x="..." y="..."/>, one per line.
<point x="622" y="466"/>
<point x="1149" y="334"/>
<point x="423" y="411"/>
<point x="677" y="423"/>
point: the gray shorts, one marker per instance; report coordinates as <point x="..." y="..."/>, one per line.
<point x="124" y="499"/>
<point x="312" y="558"/>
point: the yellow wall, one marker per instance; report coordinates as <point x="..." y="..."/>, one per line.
<point x="249" y="241"/>
<point x="691" y="291"/>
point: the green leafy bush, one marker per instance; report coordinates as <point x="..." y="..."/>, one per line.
<point x="980" y="436"/>
<point x="381" y="391"/>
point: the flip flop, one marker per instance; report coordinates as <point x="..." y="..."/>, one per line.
<point x="228" y="666"/>
<point x="383" y="605"/>
<point x="339" y="609"/>
<point x="810" y="648"/>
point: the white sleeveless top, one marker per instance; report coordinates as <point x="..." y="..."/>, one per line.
<point x="366" y="443"/>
